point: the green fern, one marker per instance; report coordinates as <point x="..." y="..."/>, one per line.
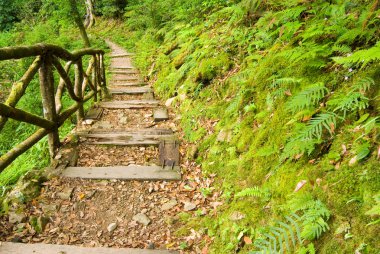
<point x="375" y="210"/>
<point x="314" y="215"/>
<point x="306" y="98"/>
<point x="283" y="237"/>
<point x="316" y="125"/>
<point x="355" y="99"/>
<point x="253" y="192"/>
<point x="362" y="57"/>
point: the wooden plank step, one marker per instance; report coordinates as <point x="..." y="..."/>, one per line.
<point x="94" y="114"/>
<point x="122" y="55"/>
<point x="125" y="139"/>
<point x="131" y="172"/>
<point x="132" y="104"/>
<point x="41" y="248"/>
<point x="130" y="84"/>
<point x="148" y="131"/>
<point x="124" y="72"/>
<point x="130" y="90"/>
<point x="123" y="68"/>
<point x="160" y="114"/>
<point x="130" y="79"/>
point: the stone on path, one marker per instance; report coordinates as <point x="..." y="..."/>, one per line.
<point x="169" y="205"/>
<point x="16" y="217"/>
<point x="142" y="219"/>
<point x="189" y="206"/>
<point x="111" y="227"/>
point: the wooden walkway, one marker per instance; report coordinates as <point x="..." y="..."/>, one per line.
<point x="126" y="82"/>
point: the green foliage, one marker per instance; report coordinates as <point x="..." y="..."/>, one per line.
<point x="253" y="192"/>
<point x="361" y="57"/>
<point x="375" y="210"/>
<point x="283" y="237"/>
<point x="314" y="215"/>
<point x="307" y="97"/>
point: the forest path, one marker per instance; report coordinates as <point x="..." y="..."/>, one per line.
<point x="130" y="138"/>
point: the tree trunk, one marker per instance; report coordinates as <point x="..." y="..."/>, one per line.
<point x="90" y="14"/>
<point x="78" y="21"/>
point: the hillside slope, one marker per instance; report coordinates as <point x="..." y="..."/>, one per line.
<point x="281" y="101"/>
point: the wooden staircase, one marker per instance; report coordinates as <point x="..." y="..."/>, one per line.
<point x="125" y="81"/>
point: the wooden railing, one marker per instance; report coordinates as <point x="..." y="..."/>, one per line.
<point x="86" y="85"/>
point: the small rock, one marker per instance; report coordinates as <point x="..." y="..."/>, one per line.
<point x="189" y="206"/>
<point x="142" y="218"/>
<point x="148" y="115"/>
<point x="88" y="122"/>
<point x="66" y="193"/>
<point x="169" y="102"/>
<point x="111" y="227"/>
<point x="16" y="217"/>
<point x="48" y="209"/>
<point x="123" y="120"/>
<point x="169" y="205"/>
<point x="235" y="216"/>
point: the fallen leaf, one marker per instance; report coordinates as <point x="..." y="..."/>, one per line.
<point x="299" y="185"/>
<point x="247" y="240"/>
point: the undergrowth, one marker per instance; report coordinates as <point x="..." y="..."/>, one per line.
<point x="294" y="89"/>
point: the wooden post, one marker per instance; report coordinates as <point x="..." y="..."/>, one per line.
<point x="95" y="77"/>
<point x="104" y="82"/>
<point x="78" y="89"/>
<point x="48" y="102"/>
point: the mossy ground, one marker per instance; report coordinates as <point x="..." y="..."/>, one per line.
<point x="224" y="72"/>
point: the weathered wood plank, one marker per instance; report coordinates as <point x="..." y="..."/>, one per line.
<point x="122" y="55"/>
<point x="123" y="139"/>
<point x="149" y="131"/>
<point x="40" y="248"/>
<point x="94" y="113"/>
<point x="169" y="153"/>
<point x="130" y="84"/>
<point x="130" y="90"/>
<point x="123" y="68"/>
<point x="132" y="104"/>
<point x="160" y="114"/>
<point x="125" y="72"/>
<point x="132" y="172"/>
<point x="127" y="79"/>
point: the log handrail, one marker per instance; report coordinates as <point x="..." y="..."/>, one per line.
<point x="86" y="85"/>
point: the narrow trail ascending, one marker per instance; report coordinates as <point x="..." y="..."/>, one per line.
<point x="129" y="147"/>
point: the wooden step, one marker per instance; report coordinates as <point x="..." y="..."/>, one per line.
<point x="124" y="139"/>
<point x="123" y="68"/>
<point x="130" y="79"/>
<point x="130" y="84"/>
<point x="124" y="72"/>
<point x="122" y="55"/>
<point x="41" y="248"/>
<point x="130" y="90"/>
<point x="147" y="131"/>
<point x="132" y="104"/>
<point x="131" y="172"/>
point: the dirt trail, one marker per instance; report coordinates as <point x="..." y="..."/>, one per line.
<point x="116" y="213"/>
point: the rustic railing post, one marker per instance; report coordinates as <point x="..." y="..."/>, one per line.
<point x="95" y="77"/>
<point x="48" y="101"/>
<point x="78" y="88"/>
<point x="103" y="72"/>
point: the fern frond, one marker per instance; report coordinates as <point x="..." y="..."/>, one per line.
<point x="252" y="192"/>
<point x="306" y="98"/>
<point x="314" y="128"/>
<point x="362" y="57"/>
<point x="363" y="85"/>
<point x="285" y="81"/>
<point x="277" y="238"/>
